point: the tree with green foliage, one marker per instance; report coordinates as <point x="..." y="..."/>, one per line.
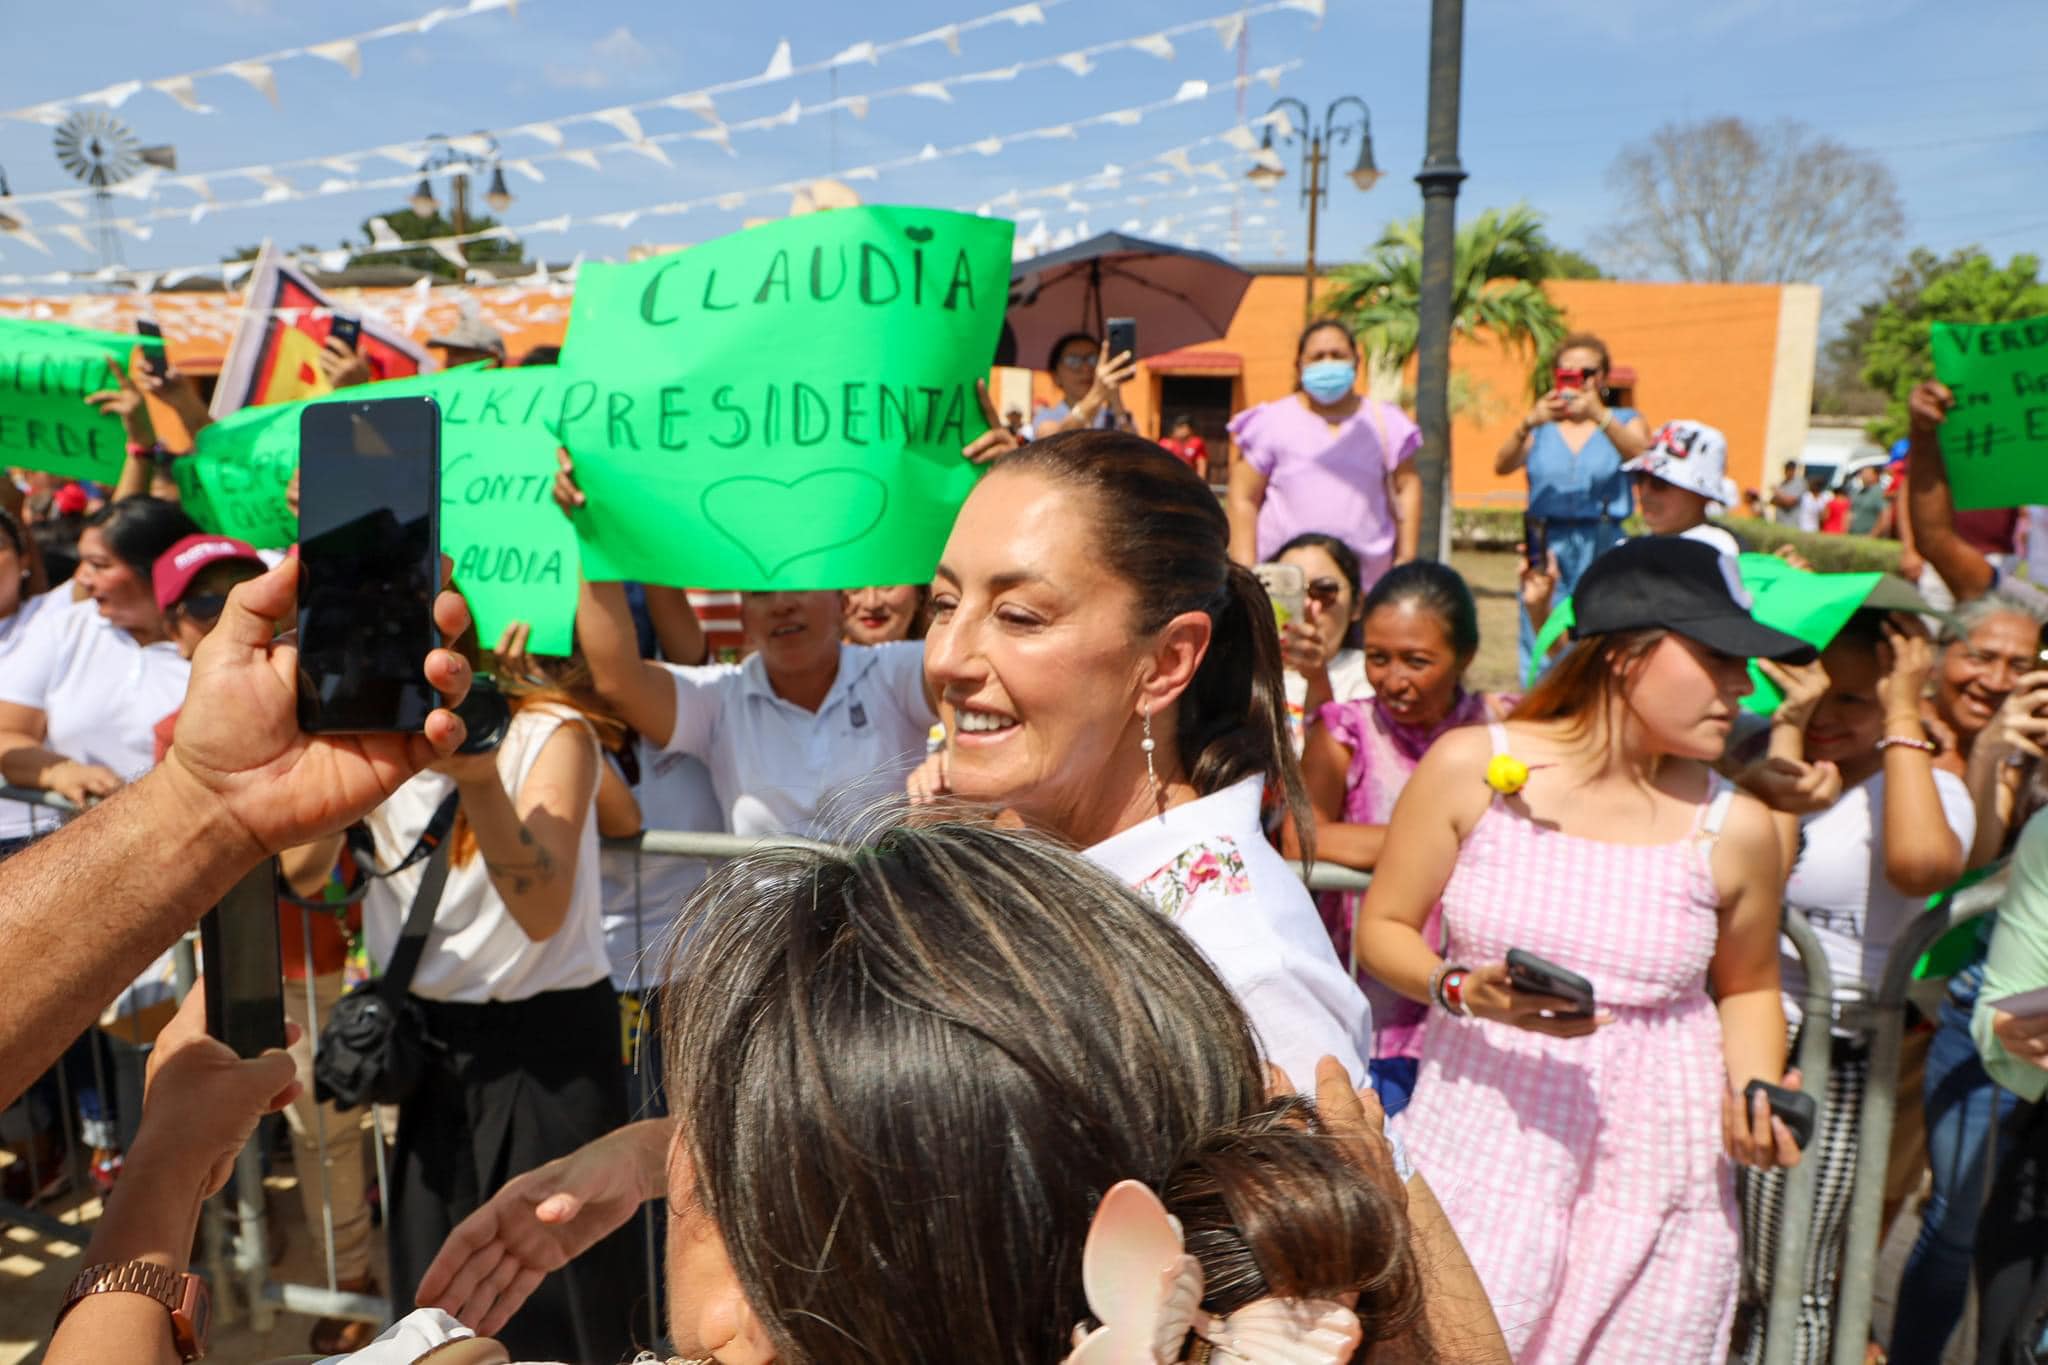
<point x="1501" y="260"/>
<point x="1966" y="287"/>
<point x="1567" y="264"/>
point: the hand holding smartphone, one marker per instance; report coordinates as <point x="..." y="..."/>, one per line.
<point x="1119" y="338"/>
<point x="238" y="948"/>
<point x="1287" y="586"/>
<point x="154" y="358"/>
<point x="346" y="330"/>
<point x="1796" y="1109"/>
<point x="1536" y="542"/>
<point x="1528" y="972"/>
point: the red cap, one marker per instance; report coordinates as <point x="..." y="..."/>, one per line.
<point x="69" y="500"/>
<point x="176" y="567"/>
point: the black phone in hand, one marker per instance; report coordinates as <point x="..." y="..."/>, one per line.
<point x="1528" y="972"/>
<point x="1796" y="1108"/>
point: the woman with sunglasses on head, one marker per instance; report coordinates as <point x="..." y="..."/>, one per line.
<point x="1574" y="445"/>
<point x="1325" y="458"/>
<point x="1324" y="663"/>
<point x="1091" y="388"/>
<point x="1583" y="1136"/>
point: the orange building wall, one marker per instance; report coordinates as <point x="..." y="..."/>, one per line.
<point x="1700" y="351"/>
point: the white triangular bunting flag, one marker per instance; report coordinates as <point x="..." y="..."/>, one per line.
<point x="930" y="153"/>
<point x="198" y="212"/>
<point x="449" y="252"/>
<point x="141" y="232"/>
<point x="622" y="119"/>
<point x="334" y="262"/>
<point x="1077" y="62"/>
<point x="950" y="36"/>
<point x="1230" y="30"/>
<point x="651" y="150"/>
<point x="341" y="165"/>
<point x="256" y="74"/>
<point x="49" y="115"/>
<point x="729" y="202"/>
<point x="113" y="96"/>
<point x="335" y="184"/>
<point x="857" y="105"/>
<point x="1242" y="138"/>
<point x="382" y="237"/>
<point x="174" y="278"/>
<point x="525" y="168"/>
<point x="583" y="156"/>
<point x="1271" y="76"/>
<point x="1214" y="168"/>
<point x="696" y="103"/>
<point x="1177" y="158"/>
<point x="779" y="65"/>
<point x="859" y="52"/>
<point x="989" y="146"/>
<point x="343" y="52"/>
<point x="933" y="90"/>
<point x="1158" y="45"/>
<point x="545" y="132"/>
<point x="1125" y="118"/>
<point x="73" y="234"/>
<point x="277" y="194"/>
<point x="427" y="22"/>
<point x="472" y="144"/>
<point x="788" y="117"/>
<point x="1064" y="130"/>
<point x="861" y="173"/>
<point x="1279" y="121"/>
<point x="180" y="89"/>
<point x="1314" y="7"/>
<point x="71" y="206"/>
<point x="1190" y="91"/>
<point x="560" y="224"/>
<point x="1001" y="73"/>
<point x="1021" y="15"/>
<point x="404" y="155"/>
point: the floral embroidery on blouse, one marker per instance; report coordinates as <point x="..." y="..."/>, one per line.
<point x="1214" y="863"/>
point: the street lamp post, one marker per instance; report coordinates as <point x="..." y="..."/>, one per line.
<point x="1316" y="145"/>
<point x="1440" y="177"/>
<point x="475" y="152"/>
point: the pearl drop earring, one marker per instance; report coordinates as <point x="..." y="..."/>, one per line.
<point x="1147" y="746"/>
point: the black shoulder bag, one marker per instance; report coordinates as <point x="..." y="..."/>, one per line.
<point x="375" y="1047"/>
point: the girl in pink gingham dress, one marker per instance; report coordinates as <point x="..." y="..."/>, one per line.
<point x="1584" y="1163"/>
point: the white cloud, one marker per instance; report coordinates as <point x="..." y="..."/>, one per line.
<point x="618" y="54"/>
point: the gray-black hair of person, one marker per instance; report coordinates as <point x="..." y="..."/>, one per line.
<point x="1159" y="527"/>
<point x="1439" y="590"/>
<point x="138" y="530"/>
<point x="904" y="1075"/>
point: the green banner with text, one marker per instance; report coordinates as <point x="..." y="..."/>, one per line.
<point x="46" y="370"/>
<point x="1995" y="441"/>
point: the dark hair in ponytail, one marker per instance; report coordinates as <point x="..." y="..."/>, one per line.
<point x="984" y="1027"/>
<point x="140" y="529"/>
<point x="1438" y="589"/>
<point x="1161" y="529"/>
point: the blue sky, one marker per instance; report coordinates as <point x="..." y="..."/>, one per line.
<point x="1946" y="94"/>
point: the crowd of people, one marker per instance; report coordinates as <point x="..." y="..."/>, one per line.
<point x="1029" y="1043"/>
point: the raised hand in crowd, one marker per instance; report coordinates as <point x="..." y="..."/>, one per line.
<point x="201" y="1103"/>
<point x="240" y="783"/>
<point x="341" y="364"/>
<point x="1538" y="585"/>
<point x="998" y="440"/>
<point x="124" y="400"/>
<point x="2004" y="750"/>
<point x="176" y="391"/>
<point x="1514" y="452"/>
<point x="1930" y="501"/>
<point x="540" y="1221"/>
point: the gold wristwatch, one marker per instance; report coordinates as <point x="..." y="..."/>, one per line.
<point x="186" y="1297"/>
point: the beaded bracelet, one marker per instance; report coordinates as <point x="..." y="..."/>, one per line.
<point x="1901" y="742"/>
<point x="1436" y="982"/>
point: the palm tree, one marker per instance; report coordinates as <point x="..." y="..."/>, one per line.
<point x="1502" y="260"/>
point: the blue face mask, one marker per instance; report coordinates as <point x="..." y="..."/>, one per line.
<point x="1327" y="381"/>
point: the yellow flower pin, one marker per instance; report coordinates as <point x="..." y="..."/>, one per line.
<point x="1506" y="774"/>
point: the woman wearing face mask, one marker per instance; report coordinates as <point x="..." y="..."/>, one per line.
<point x="81" y="695"/>
<point x="1115" y="680"/>
<point x="875" y="616"/>
<point x="1574" y="445"/>
<point x="1585" y="1159"/>
<point x="1421" y="631"/>
<point x="801" y="738"/>
<point x="1325" y="459"/>
<point x="1322" y="656"/>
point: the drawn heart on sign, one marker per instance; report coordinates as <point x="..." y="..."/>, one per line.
<point x="918" y="235"/>
<point x="775" y="523"/>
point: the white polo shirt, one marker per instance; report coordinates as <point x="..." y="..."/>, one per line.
<point x="779" y="769"/>
<point x="101" y="693"/>
<point x="19" y="821"/>
<point x="1209" y="869"/>
<point x="674" y="793"/>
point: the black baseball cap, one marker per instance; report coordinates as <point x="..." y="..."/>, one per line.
<point x="1681" y="585"/>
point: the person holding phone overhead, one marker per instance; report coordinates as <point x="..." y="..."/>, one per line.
<point x="1574" y="445"/>
<point x="1326" y="459"/>
<point x="1320" y="645"/>
<point x="1585" y="1161"/>
<point x="1091" y="382"/>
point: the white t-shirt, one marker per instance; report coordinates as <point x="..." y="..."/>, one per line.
<point x="675" y="793"/>
<point x="19" y="820"/>
<point x="1105" y="419"/>
<point x="1347" y="683"/>
<point x="779" y="769"/>
<point x="101" y="693"/>
<point x="477" y="952"/>
<point x="1811" y="507"/>
<point x="1208" y="867"/>
<point x="1839" y="885"/>
<point x="1707" y="534"/>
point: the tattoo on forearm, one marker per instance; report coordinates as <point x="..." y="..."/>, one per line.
<point x="526" y="873"/>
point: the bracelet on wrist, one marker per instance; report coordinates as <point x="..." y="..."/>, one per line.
<point x="1904" y="742"/>
<point x="1447" y="988"/>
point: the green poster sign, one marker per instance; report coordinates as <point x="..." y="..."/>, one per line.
<point x="784" y="408"/>
<point x="46" y="370"/>
<point x="514" y="552"/>
<point x="1995" y="442"/>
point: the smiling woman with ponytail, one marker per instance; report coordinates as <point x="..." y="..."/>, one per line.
<point x="1114" y="679"/>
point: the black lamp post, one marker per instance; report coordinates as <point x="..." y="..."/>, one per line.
<point x="444" y="154"/>
<point x="1316" y="145"/>
<point x="1440" y="177"/>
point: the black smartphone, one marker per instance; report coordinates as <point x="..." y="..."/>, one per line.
<point x="1528" y="972"/>
<point x="1798" y="1109"/>
<point x="1120" y="337"/>
<point x="153" y="358"/>
<point x="370" y="563"/>
<point x="345" y="329"/>
<point x="239" y="954"/>
<point x="1536" y="541"/>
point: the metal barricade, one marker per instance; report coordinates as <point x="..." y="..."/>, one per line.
<point x="1802" y="1183"/>
<point x="1884" y="1019"/>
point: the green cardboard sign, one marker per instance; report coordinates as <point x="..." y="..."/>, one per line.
<point x="1995" y="441"/>
<point x="46" y="370"/>
<point x="784" y="408"/>
<point x="514" y="552"/>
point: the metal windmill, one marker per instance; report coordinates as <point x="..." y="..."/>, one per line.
<point x="101" y="151"/>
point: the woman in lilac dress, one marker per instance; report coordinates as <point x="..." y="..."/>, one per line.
<point x="1421" y="631"/>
